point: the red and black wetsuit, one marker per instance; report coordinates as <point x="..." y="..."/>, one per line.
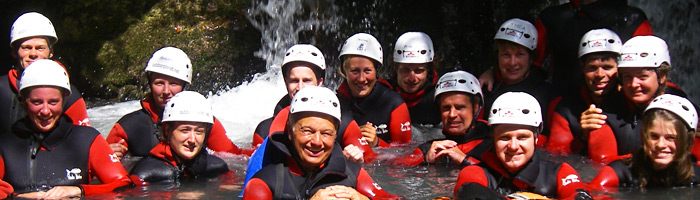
<point x="284" y="178"/>
<point x="11" y="109"/>
<point x="67" y="155"/>
<point x="620" y="175"/>
<point x="348" y="132"/>
<point x="161" y="167"/>
<point x="560" y="28"/>
<point x="565" y="134"/>
<point x="538" y="176"/>
<point x="621" y="133"/>
<point x="384" y="108"/>
<point x="474" y="143"/>
<point x="534" y="85"/>
<point x="421" y="105"/>
<point x="141" y="132"/>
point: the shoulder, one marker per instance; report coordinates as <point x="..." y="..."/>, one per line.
<point x="389" y="96"/>
<point x="555" y="12"/>
<point x="85" y="131"/>
<point x="153" y="170"/>
<point x="216" y="166"/>
<point x="137" y="116"/>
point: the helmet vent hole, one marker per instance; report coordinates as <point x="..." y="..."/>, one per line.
<point x="314" y="54"/>
<point x="462" y="81"/>
<point x="685" y="108"/>
<point x="503" y="29"/>
<point x="399" y="51"/>
<point x="527" y="35"/>
<point x="644" y="55"/>
<point x="526" y="111"/>
<point x="423" y="51"/>
<point x="172" y="105"/>
<point x="583" y="44"/>
<point x="287" y="54"/>
<point x="335" y="104"/>
<point x="611" y="41"/>
<point x="187" y="66"/>
<point x="304" y="99"/>
<point x="494" y="111"/>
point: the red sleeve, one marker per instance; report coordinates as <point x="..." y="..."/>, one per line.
<point x="413" y="159"/>
<point x="568" y="182"/>
<point x="78" y="113"/>
<point x="5" y="188"/>
<point x="400" y="125"/>
<point x="643" y="29"/>
<point x="696" y="148"/>
<point x="353" y="136"/>
<point x="257" y="189"/>
<point x="560" y="136"/>
<point x="542" y="48"/>
<point x="369" y="188"/>
<point x="257" y="140"/>
<point x="219" y="142"/>
<point x="472" y="174"/>
<point x="602" y="145"/>
<point x="468" y="147"/>
<point x="605" y="180"/>
<point x="116" y="134"/>
<point x="106" y="166"/>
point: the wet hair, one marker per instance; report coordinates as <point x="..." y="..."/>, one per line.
<point x="318" y="72"/>
<point x="680" y="170"/>
<point x="598" y="56"/>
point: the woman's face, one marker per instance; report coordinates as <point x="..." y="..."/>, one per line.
<point x="164" y="87"/>
<point x="639" y="84"/>
<point x="187" y="138"/>
<point x="313" y="138"/>
<point x="513" y="63"/>
<point x="411" y="77"/>
<point x="44" y="107"/>
<point x="661" y="144"/>
<point x="361" y="76"/>
<point x="515" y="145"/>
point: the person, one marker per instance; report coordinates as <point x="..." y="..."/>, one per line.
<point x="415" y="77"/>
<point x="381" y="113"/>
<point x="304" y="65"/>
<point x="459" y="97"/>
<point x="643" y="71"/>
<point x="308" y="163"/>
<point x="514" y="45"/>
<point x="169" y="71"/>
<point x="46" y="156"/>
<point x="598" y="57"/>
<point x="182" y="154"/>
<point x="668" y="129"/>
<point x="32" y="38"/>
<point x="512" y="164"/>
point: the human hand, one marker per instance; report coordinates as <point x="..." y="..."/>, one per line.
<point x="486" y="79"/>
<point x="338" y="192"/>
<point x="119" y="148"/>
<point x="354" y="154"/>
<point x="369" y="132"/>
<point x="592" y="119"/>
<point x="441" y="148"/>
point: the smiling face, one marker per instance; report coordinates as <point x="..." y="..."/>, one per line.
<point x="514" y="145"/>
<point x="313" y="138"/>
<point x="411" y="77"/>
<point x="164" y="87"/>
<point x="600" y="75"/>
<point x="513" y="62"/>
<point x="640" y="84"/>
<point x="33" y="49"/>
<point x="44" y="106"/>
<point x="457" y="112"/>
<point x="299" y="77"/>
<point x="187" y="138"/>
<point x="360" y="74"/>
<point x="660" y="146"/>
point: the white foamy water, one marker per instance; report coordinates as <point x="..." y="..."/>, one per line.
<point x="239" y="109"/>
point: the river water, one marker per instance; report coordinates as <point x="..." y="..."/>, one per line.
<point x="280" y="23"/>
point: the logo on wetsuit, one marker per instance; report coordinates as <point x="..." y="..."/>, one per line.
<point x="74" y="174"/>
<point x="572" y="178"/>
<point x="382" y="129"/>
<point x="405" y="126"/>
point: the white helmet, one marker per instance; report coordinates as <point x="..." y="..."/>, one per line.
<point x="458" y="81"/>
<point x="45" y="72"/>
<point x="188" y="106"/>
<point x="519" y="31"/>
<point x="306" y="53"/>
<point x="32" y="24"/>
<point x="644" y="51"/>
<point x="414" y="47"/>
<point x="363" y="44"/>
<point x="316" y="99"/>
<point x="678" y="105"/>
<point x="516" y="108"/>
<point x="599" y="40"/>
<point x="172" y="62"/>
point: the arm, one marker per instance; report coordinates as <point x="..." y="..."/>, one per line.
<point x="560" y="136"/>
<point x="107" y="168"/>
<point x="400" y="125"/>
<point x="78" y="112"/>
<point x="257" y="189"/>
<point x="366" y="186"/>
<point x="472" y="174"/>
<point x="219" y="142"/>
<point x="117" y="140"/>
<point x="542" y="48"/>
<point x="413" y="159"/>
<point x="5" y="188"/>
<point x="569" y="185"/>
<point x="602" y="145"/>
<point x="606" y="179"/>
<point x="353" y="136"/>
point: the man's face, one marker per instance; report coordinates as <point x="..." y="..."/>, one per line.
<point x="412" y="76"/>
<point x="600" y="75"/>
<point x="33" y="49"/>
<point x="457" y="113"/>
<point x="300" y="76"/>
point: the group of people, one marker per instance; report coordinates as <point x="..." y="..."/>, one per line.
<point x="609" y="99"/>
